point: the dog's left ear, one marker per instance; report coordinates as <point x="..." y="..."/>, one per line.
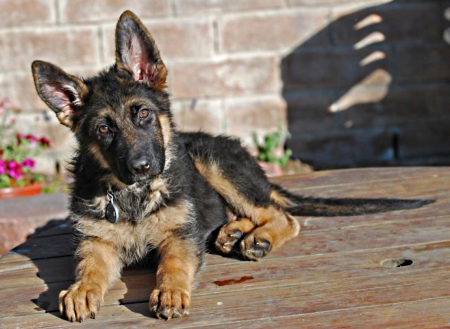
<point x="62" y="92"/>
<point x="136" y="52"/>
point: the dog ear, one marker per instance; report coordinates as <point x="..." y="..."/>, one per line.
<point x="62" y="92"/>
<point x="136" y="52"/>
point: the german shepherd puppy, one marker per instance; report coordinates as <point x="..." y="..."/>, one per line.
<point x="140" y="185"/>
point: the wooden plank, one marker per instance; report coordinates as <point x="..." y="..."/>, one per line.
<point x="222" y="308"/>
<point x="308" y="243"/>
<point x="422" y="187"/>
<point x="337" y="178"/>
<point x="438" y="209"/>
<point x="64" y="228"/>
<point x="409" y="188"/>
<point x="136" y="284"/>
<point x="330" y="276"/>
<point x="60" y="245"/>
<point x="424" y="314"/>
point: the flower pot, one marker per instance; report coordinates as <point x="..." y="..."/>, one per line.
<point x="14" y="192"/>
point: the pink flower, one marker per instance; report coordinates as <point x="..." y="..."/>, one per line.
<point x="44" y="141"/>
<point x="15" y="169"/>
<point x="32" y="138"/>
<point x="19" y="137"/>
<point x="3" y="164"/>
<point x="28" y="162"/>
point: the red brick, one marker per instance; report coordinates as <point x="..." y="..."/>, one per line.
<point x="19" y="87"/>
<point x="274" y="31"/>
<point x="65" y="47"/>
<point x="46" y="124"/>
<point x="224" y="77"/>
<point x="424" y="139"/>
<point x="175" y="39"/>
<point x="217" y="6"/>
<point x="203" y="115"/>
<point x="101" y="10"/>
<point x="400" y="23"/>
<point x="332" y="67"/>
<point x="255" y="115"/>
<point x="423" y="63"/>
<point x="26" y="12"/>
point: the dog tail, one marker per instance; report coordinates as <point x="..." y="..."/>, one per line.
<point x="331" y="207"/>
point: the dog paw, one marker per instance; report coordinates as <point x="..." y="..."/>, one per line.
<point x="169" y="303"/>
<point x="231" y="233"/>
<point x="81" y="301"/>
<point x="255" y="247"/>
<point x="227" y="238"/>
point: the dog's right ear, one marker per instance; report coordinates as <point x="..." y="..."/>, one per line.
<point x="137" y="53"/>
<point x="62" y="92"/>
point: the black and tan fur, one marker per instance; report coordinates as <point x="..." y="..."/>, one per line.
<point x="172" y="189"/>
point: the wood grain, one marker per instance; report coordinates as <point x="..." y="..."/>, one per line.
<point x="331" y="276"/>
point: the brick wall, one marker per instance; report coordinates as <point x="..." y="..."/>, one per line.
<point x="235" y="64"/>
<point x="373" y="87"/>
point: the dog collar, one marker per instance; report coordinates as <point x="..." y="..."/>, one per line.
<point x="111" y="209"/>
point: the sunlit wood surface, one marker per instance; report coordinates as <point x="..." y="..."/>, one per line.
<point x="331" y="276"/>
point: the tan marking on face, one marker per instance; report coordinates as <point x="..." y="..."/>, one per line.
<point x="94" y="150"/>
<point x="64" y="117"/>
<point x="128" y="136"/>
<point x="114" y="181"/>
<point x="106" y="112"/>
<point x="166" y="129"/>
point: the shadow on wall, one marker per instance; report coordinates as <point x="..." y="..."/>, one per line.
<point x="372" y="88"/>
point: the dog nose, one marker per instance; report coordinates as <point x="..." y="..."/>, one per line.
<point x="140" y="166"/>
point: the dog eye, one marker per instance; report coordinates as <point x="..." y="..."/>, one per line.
<point x="103" y="129"/>
<point x="143" y="113"/>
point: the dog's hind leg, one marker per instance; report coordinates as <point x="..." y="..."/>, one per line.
<point x="263" y="223"/>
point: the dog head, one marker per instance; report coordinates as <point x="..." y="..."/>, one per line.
<point x="121" y="117"/>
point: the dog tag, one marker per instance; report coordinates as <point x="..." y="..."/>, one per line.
<point x="111" y="210"/>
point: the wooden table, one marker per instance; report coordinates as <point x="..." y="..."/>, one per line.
<point x="331" y="276"/>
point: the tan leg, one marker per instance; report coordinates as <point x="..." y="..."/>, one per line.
<point x="273" y="228"/>
<point x="98" y="268"/>
<point x="231" y="233"/>
<point x="268" y="228"/>
<point x="174" y="278"/>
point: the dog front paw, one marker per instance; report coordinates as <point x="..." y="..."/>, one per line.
<point x="81" y="301"/>
<point x="168" y="303"/>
